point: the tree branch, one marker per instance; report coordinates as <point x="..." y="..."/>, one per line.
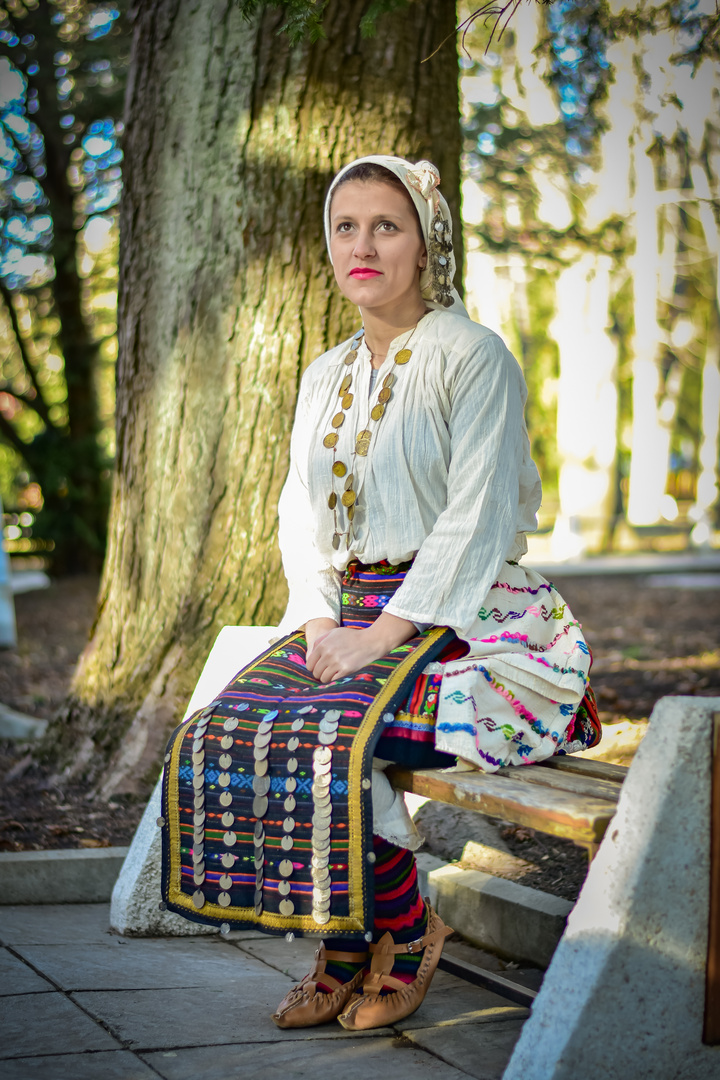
<point x="40" y="405"/>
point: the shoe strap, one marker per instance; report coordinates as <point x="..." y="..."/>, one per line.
<point x="412" y="947"/>
<point x="341" y="957"/>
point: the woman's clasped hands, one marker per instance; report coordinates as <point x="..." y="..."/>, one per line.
<point x="336" y="651"/>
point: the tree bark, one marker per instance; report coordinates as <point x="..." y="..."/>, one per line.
<point x="226" y="294"/>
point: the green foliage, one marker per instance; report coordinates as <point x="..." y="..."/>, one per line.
<point x="304" y="18"/>
<point x="60" y="111"/>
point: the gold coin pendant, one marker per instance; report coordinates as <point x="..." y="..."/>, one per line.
<point x="339" y="468"/>
<point x="403" y="356"/>
<point x="330" y="440"/>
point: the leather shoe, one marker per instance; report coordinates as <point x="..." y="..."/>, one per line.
<point x="306" y="1006"/>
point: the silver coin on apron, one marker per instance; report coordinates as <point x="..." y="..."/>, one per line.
<point x="290" y="784"/>
<point x="260" y="753"/>
<point x="259" y="832"/>
<point x="227" y="819"/>
<point x="225" y="798"/>
<point x="263" y="738"/>
<point x="328" y="725"/>
<point x="224" y="779"/>
<point x="225" y="881"/>
<point x="327" y="738"/>
<point x="259" y="861"/>
<point x="225" y="761"/>
<point x="228" y="860"/>
<point x="260" y="805"/>
<point x="293" y="743"/>
<point x="292" y="764"/>
<point x="199" y="801"/>
<point x="284" y="888"/>
<point x="333" y="715"/>
<point x="289" y="804"/>
<point x="323" y="769"/>
<point x="230" y="839"/>
<point x="199" y="818"/>
<point x="285" y="868"/>
<point x="286" y="907"/>
<point x="305" y="709"/>
<point x="264" y="727"/>
<point x="226" y="742"/>
<point x="224" y="899"/>
<point x="261" y="767"/>
<point x="298" y="725"/>
<point x="198" y="757"/>
<point x="198" y="745"/>
<point x="288" y="824"/>
<point x="198" y="781"/>
<point x="258" y="910"/>
<point x="261" y="785"/>
<point x="199" y="767"/>
<point x="321" y="917"/>
<point x="230" y="724"/>
<point x="286" y="843"/>
<point x="322" y="756"/>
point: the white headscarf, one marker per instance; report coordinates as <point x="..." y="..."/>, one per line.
<point x="421" y="182"/>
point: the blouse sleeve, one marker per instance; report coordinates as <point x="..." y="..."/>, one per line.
<point x="313" y="582"/>
<point x="459" y="560"/>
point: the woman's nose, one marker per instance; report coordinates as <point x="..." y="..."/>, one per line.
<point x="364" y="247"/>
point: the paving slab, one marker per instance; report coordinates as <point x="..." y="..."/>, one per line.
<point x="54" y="924"/>
<point x="291" y="958"/>
<point x="82" y="876"/>
<point x="101" y="1065"/>
<point x="352" y="1059"/>
<point x="126" y="964"/>
<point x="51" y="1024"/>
<point x="147" y="1020"/>
<point x="18" y="978"/>
<point x="479" y="1052"/>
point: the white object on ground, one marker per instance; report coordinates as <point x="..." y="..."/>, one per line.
<point x="136" y="896"/>
<point x="624" y="995"/>
<point x="29" y="581"/>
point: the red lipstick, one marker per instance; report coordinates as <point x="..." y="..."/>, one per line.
<point x="364" y="272"/>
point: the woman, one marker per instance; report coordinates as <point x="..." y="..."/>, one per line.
<point x="411" y="634"/>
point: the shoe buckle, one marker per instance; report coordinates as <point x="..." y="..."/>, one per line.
<point x="414" y="946"/>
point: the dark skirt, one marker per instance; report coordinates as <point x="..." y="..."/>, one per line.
<point x="267" y="802"/>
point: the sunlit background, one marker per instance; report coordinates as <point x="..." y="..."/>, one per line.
<point x="590" y="202"/>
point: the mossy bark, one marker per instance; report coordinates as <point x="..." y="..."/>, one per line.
<point x="226" y="295"/>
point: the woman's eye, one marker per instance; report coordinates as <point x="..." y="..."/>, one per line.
<point x="344" y="227"/>
<point x="387" y="226"/>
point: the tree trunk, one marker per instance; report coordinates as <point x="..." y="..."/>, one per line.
<point x="226" y="294"/>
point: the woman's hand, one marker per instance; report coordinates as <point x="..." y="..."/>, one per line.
<point x="316" y="629"/>
<point x="343" y="651"/>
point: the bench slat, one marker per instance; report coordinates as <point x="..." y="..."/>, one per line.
<point x="565" y="781"/>
<point x="560" y="813"/>
<point x="573" y="763"/>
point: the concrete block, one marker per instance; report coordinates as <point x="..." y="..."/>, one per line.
<point x="16" y="725"/>
<point x="509" y="919"/>
<point x="624" y="995"/>
<point x="85" y="876"/>
<point x="136" y="896"/>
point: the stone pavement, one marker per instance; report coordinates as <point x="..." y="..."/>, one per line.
<point x="80" y="1003"/>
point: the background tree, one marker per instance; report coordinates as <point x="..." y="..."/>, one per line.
<point x="62" y="73"/>
<point x="226" y="294"/>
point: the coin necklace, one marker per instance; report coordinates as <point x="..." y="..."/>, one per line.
<point x="348" y="498"/>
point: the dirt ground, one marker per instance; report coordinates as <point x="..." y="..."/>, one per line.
<point x="647" y="641"/>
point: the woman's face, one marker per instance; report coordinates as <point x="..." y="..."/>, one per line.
<point x="376" y="246"/>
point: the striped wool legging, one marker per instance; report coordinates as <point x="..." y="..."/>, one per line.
<point x="399" y="909"/>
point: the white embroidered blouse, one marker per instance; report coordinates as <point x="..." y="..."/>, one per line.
<point x="448" y="478"/>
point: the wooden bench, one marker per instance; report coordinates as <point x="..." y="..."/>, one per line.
<point x="566" y="796"/>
